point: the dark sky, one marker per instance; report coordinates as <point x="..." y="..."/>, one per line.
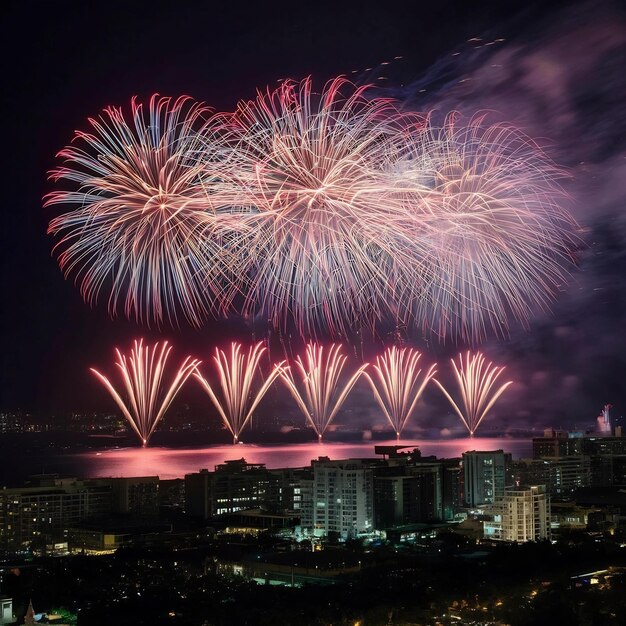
<point x="558" y="74"/>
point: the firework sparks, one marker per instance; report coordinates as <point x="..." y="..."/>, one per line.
<point x="310" y="173"/>
<point x="318" y="393"/>
<point x="476" y="380"/>
<point x="483" y="217"/>
<point x="142" y="378"/>
<point x="237" y="374"/>
<point x="332" y="212"/>
<point x="399" y="384"/>
<point x="139" y="227"/>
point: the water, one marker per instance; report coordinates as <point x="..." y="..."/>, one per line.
<point x="175" y="463"/>
<point x="20" y="459"/>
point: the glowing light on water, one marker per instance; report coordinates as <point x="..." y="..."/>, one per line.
<point x="176" y="462"/>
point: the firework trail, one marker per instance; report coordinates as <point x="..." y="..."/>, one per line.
<point x="237" y="373"/>
<point x="483" y="217"/>
<point x="139" y="230"/>
<point x="477" y="385"/>
<point x="309" y="170"/>
<point x="318" y="391"/>
<point x="398" y="384"/>
<point x="142" y="378"/>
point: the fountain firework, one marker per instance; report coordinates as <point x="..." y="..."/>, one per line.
<point x="237" y="373"/>
<point x="318" y="391"/>
<point x="142" y="377"/>
<point x="399" y="384"/>
<point x="476" y="380"/>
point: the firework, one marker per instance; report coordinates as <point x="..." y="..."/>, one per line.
<point x="142" y="378"/>
<point x="477" y="382"/>
<point x="399" y="384"/>
<point x="318" y="391"/>
<point x="483" y="218"/>
<point x="139" y="229"/>
<point x="309" y="170"/>
<point x="331" y="212"/>
<point x="238" y="372"/>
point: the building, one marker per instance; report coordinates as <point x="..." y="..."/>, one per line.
<point x="453" y="488"/>
<point x="561" y="475"/>
<point x="556" y="444"/>
<point x="341" y="498"/>
<point x="608" y="470"/>
<point x="40" y="514"/>
<point x="286" y="489"/>
<point x="106" y="536"/>
<point x="593" y="446"/>
<point x="137" y="496"/>
<point x="485" y="475"/>
<point x="521" y="514"/>
<point x="396" y="501"/>
<point x="231" y="487"/>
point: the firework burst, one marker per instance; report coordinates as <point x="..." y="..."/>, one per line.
<point x="139" y="229"/>
<point x="318" y="391"/>
<point x="238" y="372"/>
<point x="309" y="170"/>
<point x="484" y="219"/>
<point x="331" y="212"/>
<point x="477" y="381"/>
<point x="398" y="384"/>
<point x="142" y="380"/>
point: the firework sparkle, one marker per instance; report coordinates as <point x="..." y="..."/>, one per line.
<point x="139" y="229"/>
<point x="398" y="384"/>
<point x="477" y="382"/>
<point x="319" y="391"/>
<point x="238" y="372"/>
<point x="142" y="377"/>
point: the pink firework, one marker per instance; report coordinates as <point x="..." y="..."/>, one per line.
<point x="482" y="204"/>
<point x="148" y="397"/>
<point x="398" y="384"/>
<point x="478" y="386"/>
<point x="309" y="169"/>
<point x="331" y="211"/>
<point x="238" y="373"/>
<point x="138" y="232"/>
<point x="317" y="388"/>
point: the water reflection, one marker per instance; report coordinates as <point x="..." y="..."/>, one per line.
<point x="175" y="463"/>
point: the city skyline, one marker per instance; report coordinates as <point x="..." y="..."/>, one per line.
<point x="527" y="69"/>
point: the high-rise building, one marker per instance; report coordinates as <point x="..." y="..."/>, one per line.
<point x="603" y="445"/>
<point x="485" y="474"/>
<point x="342" y="499"/>
<point x="453" y="490"/>
<point x="521" y="514"/>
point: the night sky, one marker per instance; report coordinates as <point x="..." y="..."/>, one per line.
<point x="558" y="74"/>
